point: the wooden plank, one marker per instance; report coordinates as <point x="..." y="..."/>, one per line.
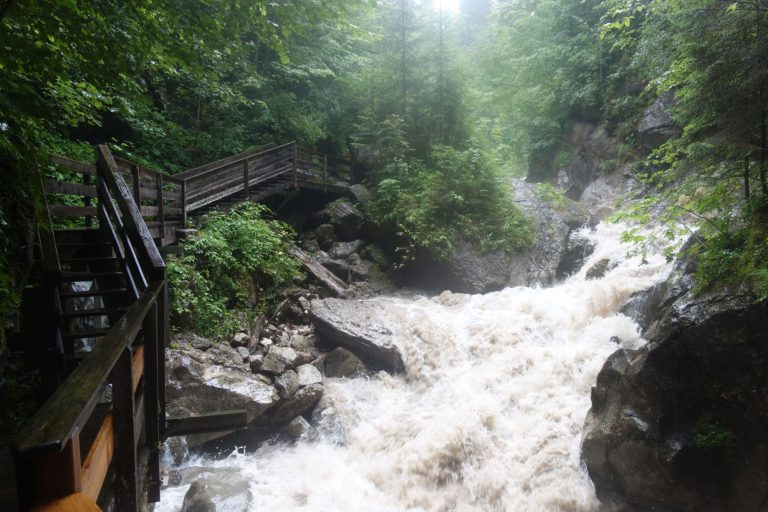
<point x="324" y="275"/>
<point x="74" y="165"/>
<point x="152" y="362"/>
<point x="215" y="422"/>
<point x="131" y="214"/>
<point x="76" y="189"/>
<point x="67" y="410"/>
<point x="78" y="502"/>
<point x="97" y="461"/>
<point x="61" y="210"/>
<point x="48" y="248"/>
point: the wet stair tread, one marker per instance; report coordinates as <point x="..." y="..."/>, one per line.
<point x="93" y="312"/>
<point x="92" y="333"/>
<point x="87" y="276"/>
<point x="92" y="293"/>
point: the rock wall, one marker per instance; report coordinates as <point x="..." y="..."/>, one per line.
<point x="682" y="424"/>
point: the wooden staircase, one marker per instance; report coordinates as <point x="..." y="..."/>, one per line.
<point x="104" y="300"/>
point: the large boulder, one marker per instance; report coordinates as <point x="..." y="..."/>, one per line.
<point x="215" y="380"/>
<point x="657" y="125"/>
<point x="469" y="270"/>
<point x="355" y="325"/>
<point x="682" y="423"/>
<point x="345" y="218"/>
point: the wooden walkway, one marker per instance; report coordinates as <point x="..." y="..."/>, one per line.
<point x="105" y="317"/>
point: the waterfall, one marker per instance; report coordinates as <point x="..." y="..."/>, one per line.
<point x="487" y="417"/>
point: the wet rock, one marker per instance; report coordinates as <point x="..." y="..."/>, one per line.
<point x="325" y="235"/>
<point x="311" y="245"/>
<point x="341" y="362"/>
<point x="577" y="250"/>
<point x="599" y="269"/>
<point x="355" y="326"/>
<point x="255" y="361"/>
<point x="339" y="268"/>
<point x="266" y="379"/>
<point x="346" y="219"/>
<point x="656" y="125"/>
<point x="301" y="401"/>
<point x="343" y="250"/>
<point x="376" y="255"/>
<point x="681" y="423"/>
<point x="244" y="353"/>
<point x="198" y="498"/>
<point x="205" y="382"/>
<point x="278" y="359"/>
<point x="193" y="341"/>
<point x="300" y="341"/>
<point x="240" y="339"/>
<point x="309" y="375"/>
<point x="304" y="358"/>
<point x="298" y="428"/>
<point x="287" y="384"/>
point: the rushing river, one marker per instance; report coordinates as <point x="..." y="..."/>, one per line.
<point x="488" y="416"/>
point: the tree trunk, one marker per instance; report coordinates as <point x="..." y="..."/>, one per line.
<point x="403" y="67"/>
<point x="746" y="179"/>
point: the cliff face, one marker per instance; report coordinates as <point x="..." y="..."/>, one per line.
<point x="682" y="424"/>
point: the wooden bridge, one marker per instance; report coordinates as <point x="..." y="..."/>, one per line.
<point x="104" y="326"/>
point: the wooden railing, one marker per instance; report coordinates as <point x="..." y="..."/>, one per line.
<point x="51" y="471"/>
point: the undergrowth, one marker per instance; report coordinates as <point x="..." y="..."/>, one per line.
<point x="232" y="270"/>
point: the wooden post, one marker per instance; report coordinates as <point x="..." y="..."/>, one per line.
<point x="87" y="200"/>
<point x="151" y="400"/>
<point x="124" y="461"/>
<point x="136" y="185"/>
<point x="160" y="207"/>
<point x="184" y="204"/>
<point x="50" y="476"/>
<point x="245" y="179"/>
<point x="163" y="339"/>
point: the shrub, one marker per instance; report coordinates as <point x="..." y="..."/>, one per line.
<point x="454" y="193"/>
<point x="232" y="269"/>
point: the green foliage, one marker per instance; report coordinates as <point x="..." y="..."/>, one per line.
<point x="547" y="192"/>
<point x="453" y="193"/>
<point x="18" y="399"/>
<point x="711" y="435"/>
<point x="232" y="269"/>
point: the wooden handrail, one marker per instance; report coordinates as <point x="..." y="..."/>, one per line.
<point x="168" y="178"/>
<point x="50" y="253"/>
<point x="134" y="222"/>
<point x="240" y="160"/>
<point x="66" y="411"/>
<point x="192" y="173"/>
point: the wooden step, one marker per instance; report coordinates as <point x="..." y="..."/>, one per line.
<point x="92" y="293"/>
<point x="90" y="259"/>
<point x="93" y="312"/>
<point x="69" y="276"/>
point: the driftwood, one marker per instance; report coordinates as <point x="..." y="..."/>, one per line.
<point x="325" y="276"/>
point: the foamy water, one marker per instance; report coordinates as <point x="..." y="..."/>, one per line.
<point x="487" y="417"/>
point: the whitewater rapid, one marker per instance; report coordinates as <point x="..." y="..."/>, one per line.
<point x="487" y="417"/>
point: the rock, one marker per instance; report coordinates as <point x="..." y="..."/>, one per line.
<point x="206" y="382"/>
<point x="309" y="375"/>
<point x="240" y="339"/>
<point x="278" y="359"/>
<point x="300" y="341"/>
<point x="346" y="219"/>
<point x="681" y="423"/>
<point x="599" y="269"/>
<point x="656" y="125"/>
<point x="287" y="384"/>
<point x="311" y="245"/>
<point x="355" y="326"/>
<point x="360" y="193"/>
<point x="577" y="250"/>
<point x="266" y="342"/>
<point x="325" y="235"/>
<point x="339" y="268"/>
<point x="198" y="499"/>
<point x="266" y="379"/>
<point x="304" y="358"/>
<point x="342" y="363"/>
<point x="193" y="341"/>
<point x="255" y="362"/>
<point x="376" y="255"/>
<point x="297" y="428"/>
<point x="602" y="194"/>
<point x="304" y="303"/>
<point x="361" y="270"/>
<point x="303" y="400"/>
<point x="343" y="250"/>
<point x="244" y="353"/>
